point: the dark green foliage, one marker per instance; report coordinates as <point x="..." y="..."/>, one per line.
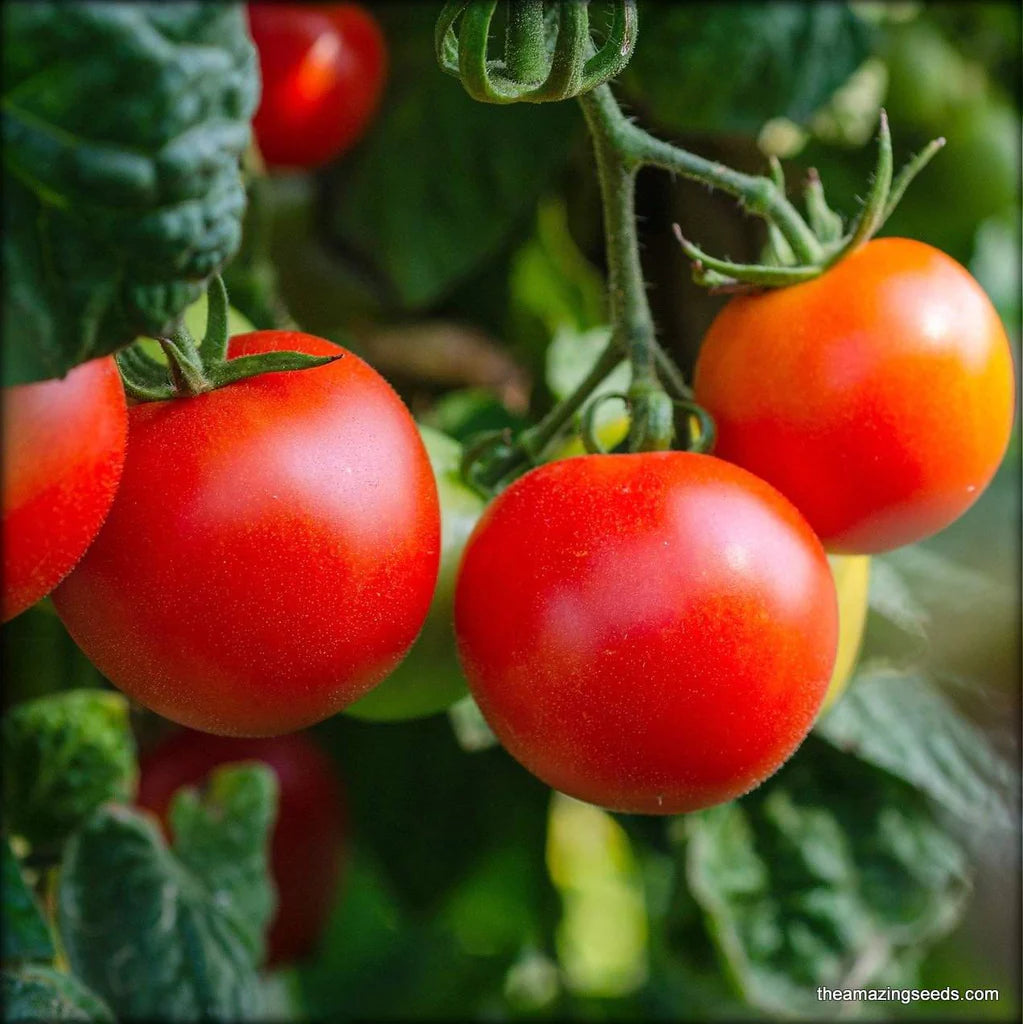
<point x="26" y="935"/>
<point x="123" y="126"/>
<point x="35" y="992"/>
<point x="63" y="756"/>
<point x="730" y="67"/>
<point x="174" y="934"/>
<point x="830" y="872"/>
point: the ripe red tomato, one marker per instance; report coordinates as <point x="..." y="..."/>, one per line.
<point x="272" y="550"/>
<point x="308" y="844"/>
<point x="878" y="397"/>
<point x="651" y="633"/>
<point x="63" y="452"/>
<point x="323" y="70"/>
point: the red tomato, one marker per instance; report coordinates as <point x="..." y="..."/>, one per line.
<point x="307" y="848"/>
<point x="272" y="550"/>
<point x="323" y="70"/>
<point x="651" y="633"/>
<point x="63" y="453"/>
<point x="878" y="397"/>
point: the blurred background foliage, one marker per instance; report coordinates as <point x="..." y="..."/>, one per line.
<point x="458" y="248"/>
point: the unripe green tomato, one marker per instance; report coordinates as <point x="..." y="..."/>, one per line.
<point x="430" y="678"/>
<point x="852" y="581"/>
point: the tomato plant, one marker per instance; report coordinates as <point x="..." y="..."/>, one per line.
<point x="647" y="623"/>
<point x="273" y="550"/>
<point x="429" y="678"/>
<point x="651" y="633"/>
<point x="323" y="69"/>
<point x="308" y="842"/>
<point x="62" y="457"/>
<point x="877" y="397"/>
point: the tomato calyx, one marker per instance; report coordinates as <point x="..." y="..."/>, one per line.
<point x="781" y="267"/>
<point x="195" y="367"/>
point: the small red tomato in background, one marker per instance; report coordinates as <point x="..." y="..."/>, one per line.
<point x="323" y="68"/>
<point x="650" y="633"/>
<point x="63" y="450"/>
<point x="272" y="551"/>
<point x="308" y="843"/>
<point x="877" y="397"/>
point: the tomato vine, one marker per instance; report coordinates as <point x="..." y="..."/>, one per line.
<point x="799" y="250"/>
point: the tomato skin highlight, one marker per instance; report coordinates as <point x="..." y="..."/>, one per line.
<point x="323" y="68"/>
<point x="651" y="633"/>
<point x="878" y="397"/>
<point x="272" y="551"/>
<point x="63" y="453"/>
<point x="307" y="849"/>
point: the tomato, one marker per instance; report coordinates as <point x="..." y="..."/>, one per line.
<point x="63" y="453"/>
<point x="323" y="69"/>
<point x="852" y="582"/>
<point x="272" y="551"/>
<point x="877" y="397"/>
<point x="652" y="633"/>
<point x="430" y="678"/>
<point x="308" y="843"/>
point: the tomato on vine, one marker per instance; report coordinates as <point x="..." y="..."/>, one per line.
<point x="309" y="835"/>
<point x="63" y="448"/>
<point x="272" y="551"/>
<point x="323" y="69"/>
<point x="653" y="633"/>
<point x="878" y="397"/>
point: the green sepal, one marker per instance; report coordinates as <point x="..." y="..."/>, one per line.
<point x="726" y="273"/>
<point x="872" y="215"/>
<point x="194" y="368"/>
<point x="826" y="224"/>
<point x="233" y="370"/>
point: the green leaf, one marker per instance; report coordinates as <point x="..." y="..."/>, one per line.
<point x="34" y="992"/>
<point x="731" y="67"/>
<point x="174" y="934"/>
<point x="442" y="182"/>
<point x="551" y="284"/>
<point x="26" y="935"/>
<point x="833" y="874"/>
<point x="123" y="128"/>
<point x="63" y="756"/>
<point x="900" y="721"/>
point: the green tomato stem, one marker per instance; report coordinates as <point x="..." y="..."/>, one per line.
<point x="650" y="429"/>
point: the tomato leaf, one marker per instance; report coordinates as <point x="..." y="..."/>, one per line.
<point x="174" y="933"/>
<point x="35" y="992"/>
<point x="832" y="874"/>
<point x="763" y="60"/>
<point x="26" y="935"/>
<point x="123" y="128"/>
<point x="63" y="756"/>
<point x="900" y="721"/>
<point x="441" y="182"/>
